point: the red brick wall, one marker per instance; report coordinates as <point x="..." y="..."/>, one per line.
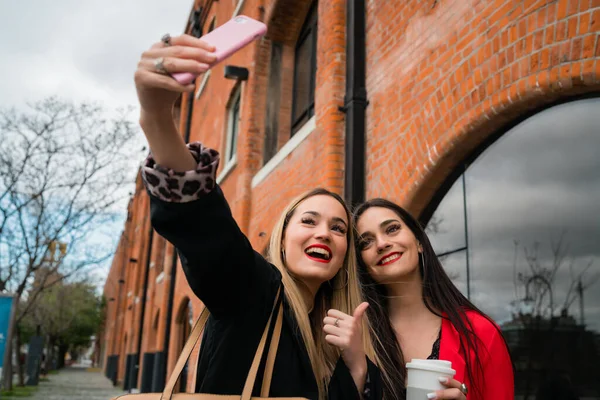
<point x="442" y="76"/>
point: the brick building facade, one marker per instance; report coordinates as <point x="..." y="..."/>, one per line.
<point x="443" y="80"/>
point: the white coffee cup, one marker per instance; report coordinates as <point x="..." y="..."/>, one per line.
<point x="423" y="377"/>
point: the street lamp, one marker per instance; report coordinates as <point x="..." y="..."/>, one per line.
<point x="529" y="301"/>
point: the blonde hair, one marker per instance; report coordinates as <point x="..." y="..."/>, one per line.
<point x="342" y="293"/>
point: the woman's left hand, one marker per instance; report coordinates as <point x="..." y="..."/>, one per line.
<point x="454" y="391"/>
<point x="345" y="331"/>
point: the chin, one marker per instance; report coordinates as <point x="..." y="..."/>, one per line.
<point x="316" y="273"/>
<point x="391" y="275"/>
<point x="314" y="276"/>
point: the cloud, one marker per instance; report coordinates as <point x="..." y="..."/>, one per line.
<point x="81" y="50"/>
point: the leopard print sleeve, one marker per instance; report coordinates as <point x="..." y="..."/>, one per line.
<point x="182" y="187"/>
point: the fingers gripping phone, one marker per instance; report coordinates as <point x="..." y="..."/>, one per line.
<point x="227" y="39"/>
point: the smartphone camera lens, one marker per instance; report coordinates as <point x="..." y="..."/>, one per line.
<point x="240" y="20"/>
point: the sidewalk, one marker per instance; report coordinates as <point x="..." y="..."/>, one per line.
<point x="74" y="383"/>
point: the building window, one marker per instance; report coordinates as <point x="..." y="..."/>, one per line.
<point x="203" y="84"/>
<point x="233" y="127"/>
<point x="305" y="67"/>
<point x="519" y="232"/>
<point x="273" y="102"/>
<point x="238" y="7"/>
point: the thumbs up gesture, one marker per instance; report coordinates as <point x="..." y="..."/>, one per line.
<point x="345" y="331"/>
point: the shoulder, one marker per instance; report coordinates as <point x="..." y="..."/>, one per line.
<point x="482" y="326"/>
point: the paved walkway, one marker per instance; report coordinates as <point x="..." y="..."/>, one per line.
<point x="74" y="383"/>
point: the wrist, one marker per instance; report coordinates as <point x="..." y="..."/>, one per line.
<point x="358" y="368"/>
<point x="359" y="375"/>
<point x="158" y="119"/>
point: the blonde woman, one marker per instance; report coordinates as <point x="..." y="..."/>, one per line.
<point x="312" y="255"/>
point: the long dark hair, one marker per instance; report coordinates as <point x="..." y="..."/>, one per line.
<point x="440" y="296"/>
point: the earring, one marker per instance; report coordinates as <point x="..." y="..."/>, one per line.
<point x="283" y="254"/>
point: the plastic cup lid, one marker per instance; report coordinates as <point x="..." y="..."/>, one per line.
<point x="441" y="366"/>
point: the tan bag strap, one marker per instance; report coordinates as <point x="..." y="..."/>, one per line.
<point x="185" y="354"/>
<point x="268" y="374"/>
<point x="195" y="336"/>
<point x="195" y="375"/>
<point x="247" y="392"/>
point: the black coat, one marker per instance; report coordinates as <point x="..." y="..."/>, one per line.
<point x="238" y="286"/>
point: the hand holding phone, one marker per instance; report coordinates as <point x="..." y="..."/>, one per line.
<point x="228" y="38"/>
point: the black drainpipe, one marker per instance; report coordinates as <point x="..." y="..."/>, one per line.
<point x="116" y="352"/>
<point x="355" y="102"/>
<point x="162" y="374"/>
<point x="138" y="355"/>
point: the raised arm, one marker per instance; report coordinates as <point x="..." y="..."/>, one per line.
<point x="219" y="263"/>
<point x="157" y="92"/>
<point x="187" y="208"/>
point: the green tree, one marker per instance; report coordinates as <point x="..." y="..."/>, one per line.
<point x="68" y="315"/>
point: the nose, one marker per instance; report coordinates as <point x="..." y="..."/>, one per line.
<point x="323" y="233"/>
<point x="382" y="244"/>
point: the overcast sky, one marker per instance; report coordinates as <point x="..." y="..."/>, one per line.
<point x="81" y="50"/>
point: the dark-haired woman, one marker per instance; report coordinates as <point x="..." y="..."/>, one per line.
<point x="416" y="311"/>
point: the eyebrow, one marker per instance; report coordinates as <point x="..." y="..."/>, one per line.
<point x="316" y="214"/>
<point x="387" y="222"/>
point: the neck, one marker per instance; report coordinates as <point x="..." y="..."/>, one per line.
<point x="308" y="290"/>
<point x="406" y="299"/>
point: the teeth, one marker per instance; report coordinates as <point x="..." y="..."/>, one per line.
<point x="390" y="258"/>
<point x="318" y="250"/>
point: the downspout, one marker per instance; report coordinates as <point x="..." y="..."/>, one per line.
<point x="115" y="377"/>
<point x="136" y="371"/>
<point x="355" y="102"/>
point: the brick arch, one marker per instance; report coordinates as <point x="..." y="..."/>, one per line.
<point x="284" y="19"/>
<point x="480" y="129"/>
<point x="486" y="65"/>
<point x="182" y="324"/>
<point x="153" y="342"/>
<point x="182" y="315"/>
<point x="123" y="356"/>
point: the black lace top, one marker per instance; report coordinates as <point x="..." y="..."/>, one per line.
<point x="435" y="355"/>
<point x="435" y="350"/>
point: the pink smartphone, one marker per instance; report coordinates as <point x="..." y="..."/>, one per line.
<point x="227" y="39"/>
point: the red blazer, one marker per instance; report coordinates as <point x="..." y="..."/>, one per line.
<point x="497" y="382"/>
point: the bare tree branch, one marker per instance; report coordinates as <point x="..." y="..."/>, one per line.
<point x="63" y="172"/>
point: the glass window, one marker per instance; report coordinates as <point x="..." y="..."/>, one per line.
<point x="532" y="246"/>
<point x="305" y="68"/>
<point x="233" y="127"/>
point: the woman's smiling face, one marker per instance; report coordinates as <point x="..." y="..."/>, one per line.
<point x="315" y="240"/>
<point x="388" y="248"/>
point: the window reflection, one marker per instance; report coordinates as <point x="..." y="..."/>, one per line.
<point x="533" y="227"/>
